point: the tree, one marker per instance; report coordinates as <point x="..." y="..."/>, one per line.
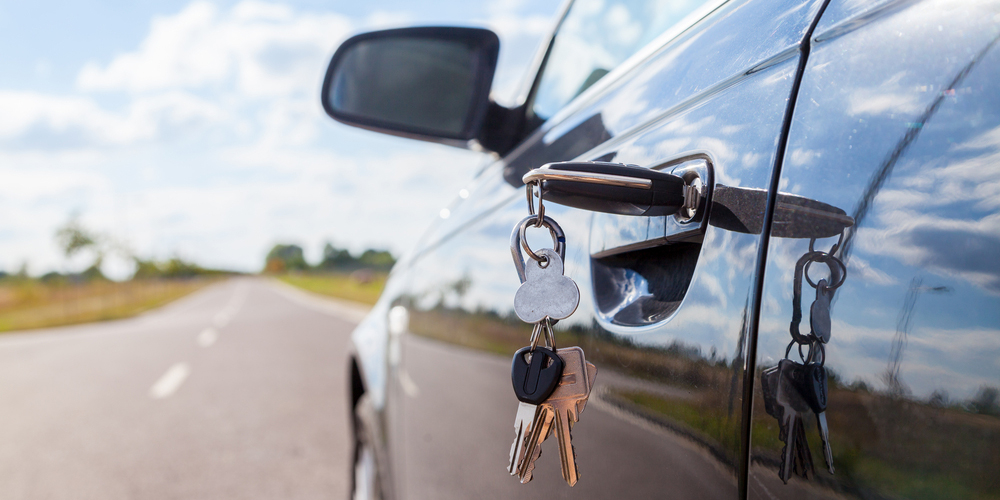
<point x="334" y="258"/>
<point x="377" y="259"/>
<point x="986" y="401"/>
<point x="285" y="258"/>
<point x="73" y="238"/>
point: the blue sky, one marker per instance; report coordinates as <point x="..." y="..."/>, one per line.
<point x="194" y="128"/>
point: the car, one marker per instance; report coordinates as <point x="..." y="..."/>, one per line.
<point x="782" y="216"/>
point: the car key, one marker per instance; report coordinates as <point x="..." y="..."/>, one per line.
<point x="567" y="402"/>
<point x="527" y="431"/>
<point x="815" y="391"/>
<point x="562" y="410"/>
<point x="795" y="456"/>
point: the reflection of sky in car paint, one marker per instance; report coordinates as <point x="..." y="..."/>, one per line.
<point x="935" y="218"/>
<point x="195" y="127"/>
<point x="595" y="37"/>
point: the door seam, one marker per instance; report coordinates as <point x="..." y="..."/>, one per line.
<point x="750" y="361"/>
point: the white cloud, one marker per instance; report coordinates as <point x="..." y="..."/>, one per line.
<point x="267" y="49"/>
<point x="206" y="139"/>
<point x="45" y="121"/>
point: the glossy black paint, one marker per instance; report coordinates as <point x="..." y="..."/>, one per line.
<point x="892" y="144"/>
<point x="897" y="123"/>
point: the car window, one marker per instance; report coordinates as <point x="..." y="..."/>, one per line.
<point x="596" y="36"/>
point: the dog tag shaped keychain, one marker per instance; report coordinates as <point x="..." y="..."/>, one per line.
<point x="552" y="384"/>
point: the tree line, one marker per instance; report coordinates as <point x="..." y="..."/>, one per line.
<point x="288" y="257"/>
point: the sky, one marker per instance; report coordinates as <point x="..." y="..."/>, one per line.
<point x="194" y="129"/>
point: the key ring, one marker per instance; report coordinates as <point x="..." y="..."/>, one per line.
<point x="516" y="236"/>
<point x="814" y="348"/>
<point x="547" y="222"/>
<point x="829" y="260"/>
<point x="550" y="336"/>
<point x="530" y="191"/>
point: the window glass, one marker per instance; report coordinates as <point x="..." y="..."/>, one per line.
<point x="596" y="36"/>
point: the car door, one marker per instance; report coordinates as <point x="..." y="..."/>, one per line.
<point x="665" y="301"/>
<point x="898" y="123"/>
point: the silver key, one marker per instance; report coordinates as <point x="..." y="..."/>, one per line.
<point x="525" y="445"/>
<point x="824" y="436"/>
<point x="567" y="402"/>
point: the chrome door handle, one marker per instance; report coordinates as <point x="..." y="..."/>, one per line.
<point x="613" y="188"/>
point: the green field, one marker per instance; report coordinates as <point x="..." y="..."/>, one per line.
<point x="341" y="286"/>
<point x="31" y="304"/>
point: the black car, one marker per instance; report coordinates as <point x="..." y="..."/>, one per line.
<point x="838" y="163"/>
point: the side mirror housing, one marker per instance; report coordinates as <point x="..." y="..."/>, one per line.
<point x="429" y="83"/>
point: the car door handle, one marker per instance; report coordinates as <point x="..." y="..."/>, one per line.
<point x="613" y="188"/>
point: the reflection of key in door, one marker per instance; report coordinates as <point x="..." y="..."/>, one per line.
<point x="795" y="456"/>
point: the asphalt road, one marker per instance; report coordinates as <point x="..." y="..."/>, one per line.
<point x="237" y="391"/>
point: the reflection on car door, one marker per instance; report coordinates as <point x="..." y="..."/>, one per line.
<point x="664" y="302"/>
<point x="898" y="123"/>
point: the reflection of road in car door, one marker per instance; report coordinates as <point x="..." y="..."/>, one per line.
<point x="906" y="139"/>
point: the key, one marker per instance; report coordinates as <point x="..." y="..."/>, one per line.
<point x="769" y="386"/>
<point x="567" y="402"/>
<point x="535" y="373"/>
<point x="527" y="447"/>
<point x="795" y="456"/>
<point x="525" y="450"/>
<point x="815" y="392"/>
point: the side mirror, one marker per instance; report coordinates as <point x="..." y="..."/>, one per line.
<point x="423" y="83"/>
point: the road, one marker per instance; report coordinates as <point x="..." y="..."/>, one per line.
<point x="237" y="391"/>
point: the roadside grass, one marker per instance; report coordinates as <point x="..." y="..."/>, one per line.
<point x="30" y="304"/>
<point x="341" y="286"/>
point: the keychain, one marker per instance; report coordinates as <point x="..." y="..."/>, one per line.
<point x="552" y="385"/>
<point x="792" y="389"/>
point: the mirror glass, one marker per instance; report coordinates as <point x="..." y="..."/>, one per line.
<point x="414" y="84"/>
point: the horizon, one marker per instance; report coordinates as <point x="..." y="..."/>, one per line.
<point x="194" y="129"/>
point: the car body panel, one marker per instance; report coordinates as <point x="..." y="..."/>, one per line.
<point x="897" y="123"/>
<point x="666" y="417"/>
<point x="666" y="414"/>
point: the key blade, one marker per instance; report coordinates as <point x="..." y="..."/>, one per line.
<point x="824" y="436"/>
<point x="567" y="453"/>
<point x="523" y="423"/>
<point x="788" y="435"/>
<point x="540" y="431"/>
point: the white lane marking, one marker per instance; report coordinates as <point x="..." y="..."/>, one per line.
<point x="207" y="337"/>
<point x="223" y="317"/>
<point x="170" y="381"/>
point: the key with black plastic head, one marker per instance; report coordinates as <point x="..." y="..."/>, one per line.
<point x="535" y="373"/>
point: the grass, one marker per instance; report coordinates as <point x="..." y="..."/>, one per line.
<point x="31" y="304"/>
<point x="341" y="286"/>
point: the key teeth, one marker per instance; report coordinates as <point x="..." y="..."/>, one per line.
<point x="526" y="478"/>
<point x="576" y="476"/>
